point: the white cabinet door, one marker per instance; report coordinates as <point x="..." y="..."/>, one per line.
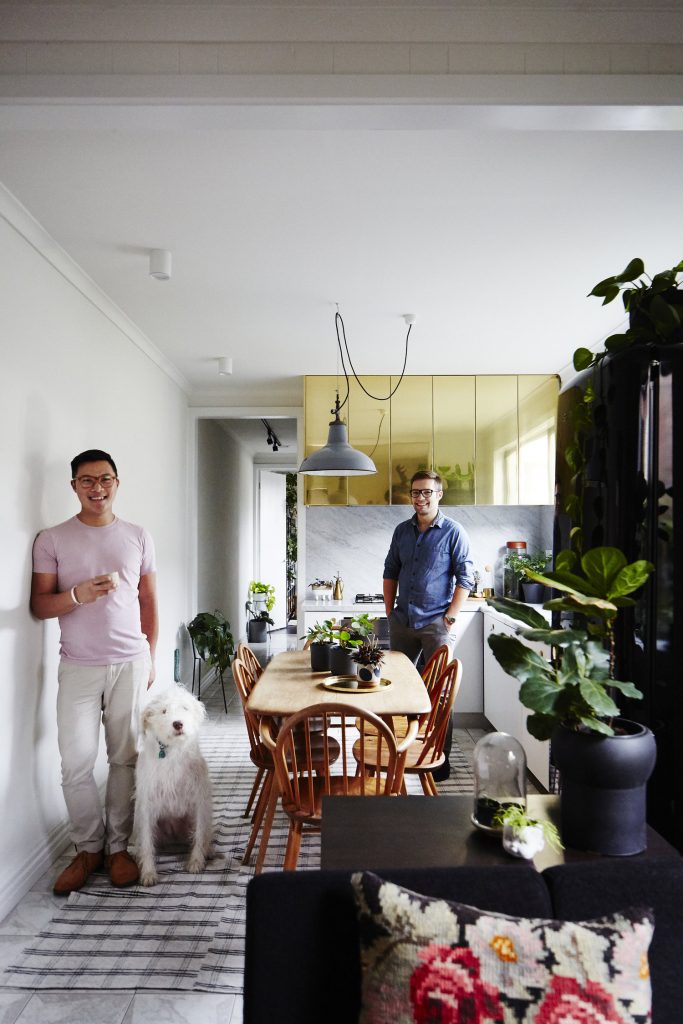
<point x="469" y="630"/>
<point x="502" y="705"/>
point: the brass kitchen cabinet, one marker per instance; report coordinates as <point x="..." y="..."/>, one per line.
<point x="491" y="438"/>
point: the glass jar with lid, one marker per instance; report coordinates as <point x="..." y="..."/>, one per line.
<point x="499" y="764"/>
<point x="510" y="577"/>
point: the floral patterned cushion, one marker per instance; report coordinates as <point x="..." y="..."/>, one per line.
<point x="431" y="961"/>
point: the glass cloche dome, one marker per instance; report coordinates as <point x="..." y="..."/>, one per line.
<point x="499" y="777"/>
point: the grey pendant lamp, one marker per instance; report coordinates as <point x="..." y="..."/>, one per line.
<point x="338" y="458"/>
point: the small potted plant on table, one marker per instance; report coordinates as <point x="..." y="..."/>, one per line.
<point x="524" y="836"/>
<point x="319" y="639"/>
<point x="350" y="635"/>
<point x="368" y="657"/>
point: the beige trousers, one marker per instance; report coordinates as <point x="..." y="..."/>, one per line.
<point x="89" y="695"/>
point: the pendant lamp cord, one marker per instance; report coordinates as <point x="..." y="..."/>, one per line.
<point x="338" y="322"/>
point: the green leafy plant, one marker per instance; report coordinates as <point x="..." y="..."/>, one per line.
<point x="369" y="652"/>
<point x="522" y="564"/>
<point x="575" y="687"/>
<point x="262" y="588"/>
<point x="356" y="631"/>
<point x="212" y="638"/>
<point x="655" y="308"/>
<point x="321" y="633"/>
<point x="515" y="816"/>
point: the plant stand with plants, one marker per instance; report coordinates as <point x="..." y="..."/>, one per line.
<point x="214" y="643"/>
<point x="260" y="604"/>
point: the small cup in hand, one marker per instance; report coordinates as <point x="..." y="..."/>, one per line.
<point x="114" y="577"/>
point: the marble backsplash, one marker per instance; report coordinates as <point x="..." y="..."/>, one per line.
<point x="354" y="541"/>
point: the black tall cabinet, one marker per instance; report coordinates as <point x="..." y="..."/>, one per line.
<point x="635" y="456"/>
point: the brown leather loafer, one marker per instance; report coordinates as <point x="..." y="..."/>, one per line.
<point x="75" y="875"/>
<point x="122" y="869"/>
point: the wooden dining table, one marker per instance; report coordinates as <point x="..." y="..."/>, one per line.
<point x="288" y="685"/>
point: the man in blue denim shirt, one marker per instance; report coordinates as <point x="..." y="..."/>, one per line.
<point x="427" y="554"/>
<point x="429" y="564"/>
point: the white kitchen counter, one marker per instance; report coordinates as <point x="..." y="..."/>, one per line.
<point x="334" y="609"/>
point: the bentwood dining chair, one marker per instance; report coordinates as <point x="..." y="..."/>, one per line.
<point x="426" y="753"/>
<point x="249" y="659"/>
<point x="260" y="756"/>
<point x="304" y="771"/>
<point x="430" y="673"/>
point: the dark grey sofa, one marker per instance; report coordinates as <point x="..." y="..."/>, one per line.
<point x="302" y="962"/>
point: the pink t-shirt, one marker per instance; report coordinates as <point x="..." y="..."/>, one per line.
<point x="107" y="631"/>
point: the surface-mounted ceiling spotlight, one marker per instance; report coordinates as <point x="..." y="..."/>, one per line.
<point x="337" y="457"/>
<point x="272" y="437"/>
<point x="160" y="264"/>
<point x="225" y="366"/>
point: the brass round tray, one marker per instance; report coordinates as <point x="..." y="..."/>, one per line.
<point x="350" y="684"/>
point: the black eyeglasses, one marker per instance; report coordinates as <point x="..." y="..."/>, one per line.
<point x="426" y="492"/>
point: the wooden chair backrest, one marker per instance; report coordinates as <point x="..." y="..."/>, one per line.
<point x="244" y="685"/>
<point x="435" y="666"/>
<point x="442" y="696"/>
<point x="304" y="754"/>
<point x="249" y="659"/>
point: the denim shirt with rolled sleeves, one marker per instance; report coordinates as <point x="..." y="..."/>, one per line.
<point x="428" y="567"/>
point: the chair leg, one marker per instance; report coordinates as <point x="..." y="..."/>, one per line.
<point x="293" y="846"/>
<point x="254" y="791"/>
<point x="267" y="825"/>
<point x="258" y="816"/>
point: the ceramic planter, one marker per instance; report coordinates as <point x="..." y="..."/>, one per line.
<point x="368" y="675"/>
<point x="257" y="631"/>
<point x="533" y="593"/>
<point x="341" y="661"/>
<point x="523" y="841"/>
<point x="320" y="657"/>
<point x="603" y="787"/>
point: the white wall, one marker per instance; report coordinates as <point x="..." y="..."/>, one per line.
<point x="70" y="379"/>
<point x="225" y="524"/>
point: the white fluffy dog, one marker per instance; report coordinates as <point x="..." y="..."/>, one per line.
<point x="172" y="787"/>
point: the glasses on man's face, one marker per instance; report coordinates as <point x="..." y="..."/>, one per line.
<point x="425" y="492"/>
<point x="88" y="482"/>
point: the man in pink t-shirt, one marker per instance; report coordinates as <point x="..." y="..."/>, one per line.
<point x="97" y="574"/>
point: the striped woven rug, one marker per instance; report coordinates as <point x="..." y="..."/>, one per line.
<point x="186" y="933"/>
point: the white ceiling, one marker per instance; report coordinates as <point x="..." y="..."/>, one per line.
<point x="491" y="232"/>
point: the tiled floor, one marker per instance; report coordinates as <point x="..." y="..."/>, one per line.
<point x="38" y="906"/>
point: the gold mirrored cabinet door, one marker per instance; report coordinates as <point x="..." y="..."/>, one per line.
<point x="496" y="481"/>
<point x="411" y="434"/>
<point x="538" y="399"/>
<point x="454" y="432"/>
<point x="369" y="431"/>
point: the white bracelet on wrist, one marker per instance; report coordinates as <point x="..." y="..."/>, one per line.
<point x="73" y="596"/>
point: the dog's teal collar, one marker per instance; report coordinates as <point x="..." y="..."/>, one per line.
<point x="162" y="749"/>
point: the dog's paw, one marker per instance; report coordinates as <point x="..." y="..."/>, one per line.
<point x="196" y="863"/>
<point x="148" y="876"/>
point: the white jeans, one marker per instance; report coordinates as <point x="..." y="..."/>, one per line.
<point x="87" y="695"/>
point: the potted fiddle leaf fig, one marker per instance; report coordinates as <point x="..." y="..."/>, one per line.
<point x="572" y="697"/>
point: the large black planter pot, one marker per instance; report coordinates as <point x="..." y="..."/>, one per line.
<point x="341" y="661"/>
<point x="320" y="657"/>
<point x="603" y="780"/>
<point x="257" y="631"/>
